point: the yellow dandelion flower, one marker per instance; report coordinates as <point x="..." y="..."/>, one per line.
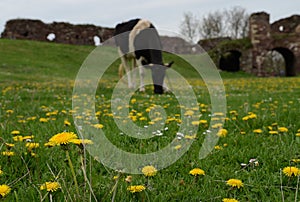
<point x="8" y="153"/>
<point x="217" y="125"/>
<point x="249" y="116"/>
<point x="218" y="114"/>
<point x="43" y="120"/>
<point x="9" y="145"/>
<point x="136" y="188"/>
<point x="222" y="133"/>
<point x="217" y="147"/>
<point x="296" y="160"/>
<point x="49" y="144"/>
<point x="143" y="118"/>
<point x="4" y="190"/>
<point x="197" y="171"/>
<point x="63" y="138"/>
<point x="9" y="111"/>
<point x="291" y="171"/>
<point x="67" y="123"/>
<point x="98" y="125"/>
<point x="190" y="137"/>
<point x="32" y="145"/>
<point x="203" y="121"/>
<point x="273" y="132"/>
<point x="31" y="118"/>
<point x="1" y="172"/>
<point x="252" y="116"/>
<point x="177" y="147"/>
<point x="21" y="121"/>
<point x="32" y="154"/>
<point x="15" y="132"/>
<point x="283" y="129"/>
<point x="258" y="131"/>
<point x="116" y="177"/>
<point x="27" y="137"/>
<point x="297" y="134"/>
<point x="189" y="113"/>
<point x="195" y="123"/>
<point x="132" y="101"/>
<point x="81" y="141"/>
<point x="233" y="112"/>
<point x="229" y="200"/>
<point x="50" y="186"/>
<point x="149" y="171"/>
<point x="235" y="183"/>
<point x="215" y="118"/>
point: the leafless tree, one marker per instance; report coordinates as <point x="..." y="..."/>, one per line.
<point x="227" y="23"/>
<point x="212" y="25"/>
<point x="237" y="22"/>
<point x="189" y="27"/>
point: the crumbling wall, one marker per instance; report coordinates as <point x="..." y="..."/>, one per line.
<point x="64" y="32"/>
<point x="286" y="25"/>
<point x="282" y="36"/>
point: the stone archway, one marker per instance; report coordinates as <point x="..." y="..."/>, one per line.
<point x="230" y="61"/>
<point x="289" y="60"/>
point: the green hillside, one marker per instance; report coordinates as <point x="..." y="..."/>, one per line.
<point x="27" y="60"/>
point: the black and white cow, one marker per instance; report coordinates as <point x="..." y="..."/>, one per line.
<point x="138" y="41"/>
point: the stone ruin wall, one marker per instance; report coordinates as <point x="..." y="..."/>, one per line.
<point x="282" y="36"/>
<point x="64" y="32"/>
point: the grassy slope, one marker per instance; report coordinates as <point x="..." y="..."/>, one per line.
<point x="32" y="60"/>
<point x="35" y="60"/>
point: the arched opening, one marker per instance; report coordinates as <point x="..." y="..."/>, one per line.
<point x="51" y="36"/>
<point x="289" y="61"/>
<point x="230" y="61"/>
<point x="279" y="62"/>
<point x="97" y="40"/>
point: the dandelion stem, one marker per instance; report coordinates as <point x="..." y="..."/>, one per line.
<point x="281" y="187"/>
<point x="114" y="189"/>
<point x="296" y="194"/>
<point x="72" y="171"/>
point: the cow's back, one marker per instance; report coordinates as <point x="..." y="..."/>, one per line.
<point x="122" y="32"/>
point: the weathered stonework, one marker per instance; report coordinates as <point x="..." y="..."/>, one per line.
<point x="80" y="34"/>
<point x="282" y="36"/>
<point x="64" y="32"/>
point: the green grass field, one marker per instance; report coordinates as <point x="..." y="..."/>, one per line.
<point x="259" y="146"/>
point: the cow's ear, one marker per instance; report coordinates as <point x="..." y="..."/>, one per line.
<point x="169" y="64"/>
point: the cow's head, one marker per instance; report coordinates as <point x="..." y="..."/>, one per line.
<point x="158" y="75"/>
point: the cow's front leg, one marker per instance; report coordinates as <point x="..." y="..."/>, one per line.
<point x="142" y="75"/>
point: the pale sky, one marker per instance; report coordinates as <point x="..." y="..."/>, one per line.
<point x="164" y="14"/>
